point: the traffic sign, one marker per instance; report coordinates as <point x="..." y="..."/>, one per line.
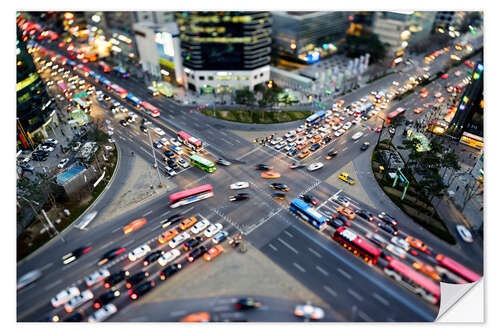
<point x="83" y="94"/>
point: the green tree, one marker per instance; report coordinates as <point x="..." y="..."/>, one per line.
<point x="449" y="163"/>
<point x="356" y="46"/>
<point x="245" y="96"/>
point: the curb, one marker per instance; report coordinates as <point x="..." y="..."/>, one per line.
<point x="82" y="214"/>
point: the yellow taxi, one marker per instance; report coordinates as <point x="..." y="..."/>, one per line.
<point x="167" y="235"/>
<point x="347" y="212"/>
<point x="213" y="252"/>
<point x="303" y="154"/>
<point x="270" y="175"/>
<point x="426" y="269"/>
<point x="348" y="179"/>
<point x="188" y="223"/>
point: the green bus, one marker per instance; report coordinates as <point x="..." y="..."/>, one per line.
<point x="202" y="163"/>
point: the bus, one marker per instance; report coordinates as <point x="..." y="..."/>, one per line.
<point x="150" y="109"/>
<point x="307" y="213"/>
<point x="189" y="140"/>
<point x="106" y="82"/>
<point x="457" y="268"/>
<point x="62" y="86"/>
<point x="119" y="90"/>
<point x="104" y="66"/>
<point x="202" y="163"/>
<point x="192" y="195"/>
<point x="415" y="282"/>
<point x="394" y="114"/>
<point x="134" y="100"/>
<point x="315" y="118"/>
<point x="357" y="245"/>
<point x="82" y="104"/>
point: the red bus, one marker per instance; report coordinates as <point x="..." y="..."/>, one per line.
<point x="119" y="90"/>
<point x="457" y="268"/>
<point x="394" y="114"/>
<point x="413" y="281"/>
<point x="192" y="195"/>
<point x="189" y="140"/>
<point x="104" y="67"/>
<point x="150" y="109"/>
<point x="357" y="245"/>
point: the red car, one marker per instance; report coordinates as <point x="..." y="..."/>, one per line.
<point x="444" y="76"/>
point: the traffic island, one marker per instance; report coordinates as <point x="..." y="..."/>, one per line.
<point x="257" y="116"/>
<point x="409" y="197"/>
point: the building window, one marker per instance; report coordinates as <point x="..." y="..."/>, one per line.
<point x="255" y="77"/>
<point x="192" y="75"/>
<point x="261" y="74"/>
<point x="236" y="78"/>
<point x="210" y="78"/>
<point x="202" y="78"/>
<point x="244" y="78"/>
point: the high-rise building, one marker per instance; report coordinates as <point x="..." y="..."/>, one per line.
<point x="360" y="23"/>
<point x="35" y="108"/>
<point x="223" y="51"/>
<point x="445" y="20"/>
<point x="467" y="124"/>
<point x="307" y="36"/>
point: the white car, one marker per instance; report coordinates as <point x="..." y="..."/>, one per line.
<point x="177" y="149"/>
<point x="53" y="141"/>
<point x="356" y="121"/>
<point x="178" y="240"/>
<point x="347" y="126"/>
<point x="396" y="250"/>
<point x="47" y="148"/>
<point x="96" y="277"/>
<point x="63" y="163"/>
<point x="76" y="301"/>
<point x="168" y="257"/>
<point x="182" y="163"/>
<point x="401" y="243"/>
<point x="301" y="140"/>
<point x="170" y="171"/>
<point x="336" y="127"/>
<point x="175" y="142"/>
<point x="139" y="252"/>
<point x="395" y="83"/>
<point x="239" y="185"/>
<point x="276" y="141"/>
<point x="280" y="145"/>
<point x="315" y="166"/>
<point x="292" y="138"/>
<point x="301" y="128"/>
<point x="164" y="141"/>
<point x="213" y="229"/>
<point x="159" y="131"/>
<point x="383" y="105"/>
<point x="103" y="313"/>
<point x="64" y="296"/>
<point x="287" y="148"/>
<point x="309" y="311"/>
<point x="289" y="134"/>
<point x="339" y="132"/>
<point x="464" y="233"/>
<point x="28" y="278"/>
<point x="199" y="226"/>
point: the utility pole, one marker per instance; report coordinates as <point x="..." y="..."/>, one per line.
<point x="154" y="156"/>
<point x="381" y="130"/>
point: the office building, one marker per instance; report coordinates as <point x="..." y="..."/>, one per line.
<point x="307" y="36"/>
<point x="224" y="51"/>
<point x="360" y="23"/>
<point x="445" y="20"/>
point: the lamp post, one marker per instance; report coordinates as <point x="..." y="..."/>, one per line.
<point x="154" y="157"/>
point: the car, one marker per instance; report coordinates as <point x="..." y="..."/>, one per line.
<point x="104" y="313"/>
<point x="139" y="252"/>
<point x="339" y="132"/>
<point x="159" y="131"/>
<point x="171" y="163"/>
<point x="220" y="237"/>
<point x="168" y="257"/>
<point x="280" y="187"/>
<point x="168" y="154"/>
<point x="365" y="145"/>
<point x="304" y="153"/>
<point x="418" y="110"/>
<point x="212" y="229"/>
<point x="51" y="141"/>
<point x="64" y="296"/>
<point x="246" y="303"/>
<point x="187" y="223"/>
<point x="213" y="252"/>
<point x="315" y="166"/>
<point x="315" y="147"/>
<point x="239" y="197"/>
<point x="309" y="311"/>
<point x="169" y="271"/>
<point x="278" y="196"/>
<point x="222" y="161"/>
<point x="296" y="165"/>
<point x="401" y="243"/>
<point x="396" y="250"/>
<point x="28" y="278"/>
<point x="444" y="76"/>
<point x="136" y="279"/>
<point x="169" y="171"/>
<point x="342" y="201"/>
<point x="177" y="240"/>
<point x="426" y="269"/>
<point x="270" y="175"/>
<point x="75" y="254"/>
<point x="387" y="218"/>
<point x="124" y="123"/>
<point x="348" y="179"/>
<point x="141" y="290"/>
<point x="199" y="227"/>
<point x="309" y="199"/>
<point x="110" y="255"/>
<point x="264" y="167"/>
<point x="63" y="163"/>
<point x="115" y="278"/>
<point x="196" y="253"/>
<point x="152" y="257"/>
<point x="292" y="152"/>
<point x="172" y="220"/>
<point x="280" y="145"/>
<point x="76" y="146"/>
<point x="418" y="244"/>
<point x="96" y="277"/>
<point x="437" y="95"/>
<point x="366" y="214"/>
<point x="238" y="185"/>
<point x="164" y="141"/>
<point x="464" y="233"/>
<point x="331" y="154"/>
<point x="78" y="300"/>
<point x="183" y="163"/>
<point x="387" y="227"/>
<point x="143" y="128"/>
<point x="157" y="144"/>
<point x="47" y="148"/>
<point x="326" y="140"/>
<point x="347" y="212"/>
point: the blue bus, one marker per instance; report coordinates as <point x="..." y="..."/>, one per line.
<point x="134" y="100"/>
<point x="307" y="213"/>
<point x="315" y="118"/>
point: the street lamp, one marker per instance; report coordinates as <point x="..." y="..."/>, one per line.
<point x="154" y="157"/>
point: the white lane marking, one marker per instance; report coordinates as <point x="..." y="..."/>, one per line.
<point x="221" y="308"/>
<point x="47" y="266"/>
<point x="272" y="247"/>
<point x="226" y="141"/>
<point x="344" y="149"/>
<point x="157" y="227"/>
<point x="115" y="230"/>
<point x="178" y="313"/>
<point x="184" y="212"/>
<point x="164" y="213"/>
<point x="107" y="244"/>
<point x="381" y="299"/>
<point x="300" y="268"/>
<point x="288" y="246"/>
<point x="147" y="213"/>
<point x="248" y="153"/>
<point x="330" y="291"/>
<point x="325" y="273"/>
<point x="344" y="273"/>
<point x="364" y="316"/>
<point x="355" y="294"/>
<point x="314" y="252"/>
<point x="129" y="242"/>
<point x="52" y="284"/>
<point x="288" y="234"/>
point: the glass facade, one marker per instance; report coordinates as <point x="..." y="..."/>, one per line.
<point x="225" y="40"/>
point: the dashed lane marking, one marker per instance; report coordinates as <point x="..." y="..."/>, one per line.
<point x="344" y="273"/>
<point x="380" y="299"/>
<point x="314" y="252"/>
<point x="300" y="268"/>
<point x="272" y="247"/>
<point x="288" y="246"/>
<point x="325" y="273"/>
<point x="355" y="294"/>
<point x="288" y="234"/>
<point x="129" y="242"/>
<point x="52" y="284"/>
<point x="365" y="317"/>
<point x="330" y="291"/>
<point x="147" y="213"/>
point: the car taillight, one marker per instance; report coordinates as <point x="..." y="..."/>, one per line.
<point x="133" y="296"/>
<point x="107" y="285"/>
<point x="145" y="263"/>
<point x="97" y="305"/>
<point x="128" y="285"/>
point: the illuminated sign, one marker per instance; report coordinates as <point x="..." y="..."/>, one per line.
<point x="471" y="142"/>
<point x="26" y="82"/>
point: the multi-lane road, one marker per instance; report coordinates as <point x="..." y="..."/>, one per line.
<point x="357" y="291"/>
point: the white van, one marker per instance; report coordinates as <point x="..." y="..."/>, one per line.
<point x="357" y="135"/>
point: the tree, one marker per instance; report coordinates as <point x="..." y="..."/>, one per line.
<point x="356" y="46"/>
<point x="472" y="189"/>
<point x="245" y="96"/>
<point x="449" y="162"/>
